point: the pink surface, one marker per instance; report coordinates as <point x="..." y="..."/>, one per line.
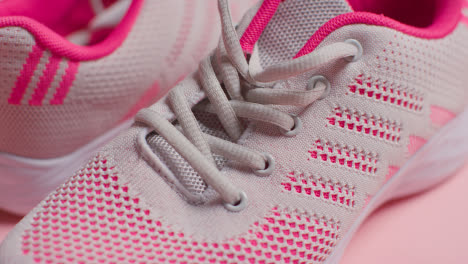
<point x="427" y="228"/>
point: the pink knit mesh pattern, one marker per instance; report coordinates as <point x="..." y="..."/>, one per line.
<point x="390" y="93"/>
<point x="366" y="124"/>
<point x="93" y="218"/>
<point x="336" y="154"/>
<point x="328" y="191"/>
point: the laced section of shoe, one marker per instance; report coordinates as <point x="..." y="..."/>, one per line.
<point x="233" y="103"/>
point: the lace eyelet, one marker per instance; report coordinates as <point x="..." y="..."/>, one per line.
<point x="358" y="45"/>
<point x="240" y="205"/>
<point x="316" y="79"/>
<point x="270" y="166"/>
<point x="295" y="129"/>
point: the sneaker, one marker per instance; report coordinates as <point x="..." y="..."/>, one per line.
<point x="74" y="73"/>
<point x="277" y="156"/>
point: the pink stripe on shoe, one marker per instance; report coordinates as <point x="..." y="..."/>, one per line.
<point x="66" y="83"/>
<point x="464" y="19"/>
<point x="44" y="82"/>
<point x="259" y="22"/>
<point x="415" y="143"/>
<point x="27" y="72"/>
<point x="391" y="171"/>
<point x="367" y="201"/>
<point x="441" y="116"/>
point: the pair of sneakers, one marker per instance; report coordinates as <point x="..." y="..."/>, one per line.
<point x="306" y="117"/>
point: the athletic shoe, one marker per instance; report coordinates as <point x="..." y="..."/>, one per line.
<point x="74" y="73"/>
<point x="279" y="160"/>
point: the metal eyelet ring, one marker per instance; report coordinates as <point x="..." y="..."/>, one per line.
<point x="358" y="45"/>
<point x="316" y="79"/>
<point x="294" y="131"/>
<point x="240" y="205"/>
<point x="269" y="166"/>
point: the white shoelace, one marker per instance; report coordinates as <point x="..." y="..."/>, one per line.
<point x="197" y="147"/>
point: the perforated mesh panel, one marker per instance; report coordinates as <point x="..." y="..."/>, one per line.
<point x="320" y="188"/>
<point x="342" y="155"/>
<point x="294" y="23"/>
<point x="366" y="124"/>
<point x="94" y="218"/>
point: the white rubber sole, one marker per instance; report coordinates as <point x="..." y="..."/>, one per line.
<point x="440" y="158"/>
<point x="24" y="182"/>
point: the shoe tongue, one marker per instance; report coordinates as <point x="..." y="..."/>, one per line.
<point x="182" y="170"/>
<point x="281" y="28"/>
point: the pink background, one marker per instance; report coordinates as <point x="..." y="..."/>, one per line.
<point x="428" y="228"/>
